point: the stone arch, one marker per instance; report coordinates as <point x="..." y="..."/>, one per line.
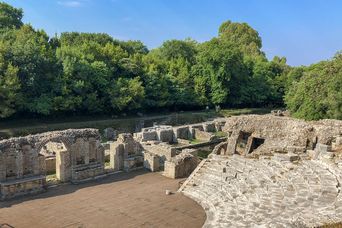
<point x="220" y="149"/>
<point x="61" y="163"/>
<point x="23" y="168"/>
<point x="57" y="139"/>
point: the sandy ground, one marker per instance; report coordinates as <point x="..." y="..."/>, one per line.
<point x="135" y="199"/>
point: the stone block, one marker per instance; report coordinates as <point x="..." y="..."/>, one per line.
<point x="151" y="162"/>
<point x="180" y="166"/>
<point x="313" y="154"/>
<point x="323" y="148"/>
<point x="149" y="135"/>
<point x="182" y="132"/>
<point x="203" y="136"/>
<point x="338" y="141"/>
<point x="296" y="149"/>
<point x="133" y="163"/>
<point x="116" y="153"/>
<point x="23" y="186"/>
<point x="165" y="135"/>
<point x="286" y="157"/>
<point x="209" y="127"/>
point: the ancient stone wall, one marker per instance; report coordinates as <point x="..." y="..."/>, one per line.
<point x="169" y="134"/>
<point x="151" y="162"/>
<point x="181" y="165"/>
<point x="268" y="133"/>
<point x="182" y="132"/>
<point x="23" y="169"/>
<point x="203" y="135"/>
<point x="163" y="150"/>
<point x="125" y="153"/>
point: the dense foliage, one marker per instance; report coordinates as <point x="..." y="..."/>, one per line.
<point x="317" y="91"/>
<point x="87" y="73"/>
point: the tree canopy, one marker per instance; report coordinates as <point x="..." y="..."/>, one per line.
<point x="10" y="17"/>
<point x="91" y="73"/>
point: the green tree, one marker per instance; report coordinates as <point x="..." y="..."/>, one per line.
<point x="318" y="93"/>
<point x="10" y="17"/>
<point x="9" y="86"/>
<point x="222" y="64"/>
<point x="127" y="94"/>
<point x="243" y="36"/>
<point x="31" y="53"/>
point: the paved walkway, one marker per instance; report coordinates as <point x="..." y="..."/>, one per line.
<point x="134" y="199"/>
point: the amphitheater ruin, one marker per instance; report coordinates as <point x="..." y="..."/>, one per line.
<point x="262" y="170"/>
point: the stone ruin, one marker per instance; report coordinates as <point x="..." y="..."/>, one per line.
<point x="181" y="165"/>
<point x="272" y="171"/>
<point x="161" y="148"/>
<point x="79" y="156"/>
<point x="126" y="153"/>
<point x="166" y="148"/>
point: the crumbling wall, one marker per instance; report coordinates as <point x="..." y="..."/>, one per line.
<point x="151" y="161"/>
<point x="125" y="153"/>
<point x="163" y="150"/>
<point x="181" y="165"/>
<point x="168" y="134"/>
<point x="268" y="133"/>
<point x="220" y="149"/>
<point x="23" y="169"/>
<point x="182" y="132"/>
<point x="163" y="133"/>
<point x="202" y="135"/>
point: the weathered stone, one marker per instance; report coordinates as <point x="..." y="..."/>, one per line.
<point x="165" y="134"/>
<point x="182" y="132"/>
<point x="209" y="127"/>
<point x="23" y="169"/>
<point x="126" y="153"/>
<point x="151" y="161"/>
<point x="265" y="174"/>
<point x="286" y="157"/>
<point x="339" y="141"/>
<point x="163" y="150"/>
<point x="181" y="165"/>
<point x="203" y="135"/>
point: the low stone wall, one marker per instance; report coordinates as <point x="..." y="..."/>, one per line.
<point x="133" y="163"/>
<point x="163" y="150"/>
<point x="169" y="134"/>
<point x="20" y="187"/>
<point x="89" y="171"/>
<point x="202" y="135"/>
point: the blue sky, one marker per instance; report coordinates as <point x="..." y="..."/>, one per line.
<point x="304" y="31"/>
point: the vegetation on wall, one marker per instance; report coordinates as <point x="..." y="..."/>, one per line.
<point x="90" y="73"/>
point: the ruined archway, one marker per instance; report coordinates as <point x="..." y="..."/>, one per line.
<point x="23" y="168"/>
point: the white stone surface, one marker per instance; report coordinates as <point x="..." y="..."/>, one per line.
<point x="266" y="192"/>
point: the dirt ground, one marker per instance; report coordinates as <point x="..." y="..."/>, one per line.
<point x="135" y="199"/>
